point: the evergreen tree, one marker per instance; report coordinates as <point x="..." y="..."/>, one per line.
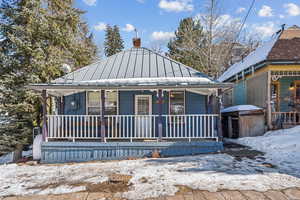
<point x="113" y="42"/>
<point x="36" y="38"/>
<point x="189" y="37"/>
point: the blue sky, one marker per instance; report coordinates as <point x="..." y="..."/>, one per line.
<point x="156" y="20"/>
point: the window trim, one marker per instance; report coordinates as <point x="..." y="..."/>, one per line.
<point x="295" y="90"/>
<point x="277" y="83"/>
<point x="150" y="102"/>
<point x="86" y="100"/>
<point x="184" y="97"/>
<point x="117" y="92"/>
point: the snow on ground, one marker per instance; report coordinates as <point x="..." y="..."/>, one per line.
<point x="206" y="172"/>
<point x="7" y="158"/>
<point x="282" y="148"/>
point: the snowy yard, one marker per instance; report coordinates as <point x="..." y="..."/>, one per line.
<point x="157" y="177"/>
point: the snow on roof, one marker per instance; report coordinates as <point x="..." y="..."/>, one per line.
<point x="257" y="56"/>
<point x="151" y="81"/>
<point x="240" y="108"/>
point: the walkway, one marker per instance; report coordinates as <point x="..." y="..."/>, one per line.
<point x="185" y="194"/>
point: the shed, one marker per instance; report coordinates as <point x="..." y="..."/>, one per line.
<point x="243" y="121"/>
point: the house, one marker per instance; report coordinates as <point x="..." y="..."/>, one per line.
<point x="129" y="105"/>
<point x="269" y="77"/>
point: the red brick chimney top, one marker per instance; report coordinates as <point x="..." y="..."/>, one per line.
<point x="136" y="42"/>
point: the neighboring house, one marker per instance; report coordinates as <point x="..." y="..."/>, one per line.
<point x="269" y="77"/>
<point x="129" y="105"/>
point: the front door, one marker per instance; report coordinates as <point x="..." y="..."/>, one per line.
<point x="143" y="111"/>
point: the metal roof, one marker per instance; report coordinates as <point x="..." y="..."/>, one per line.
<point x="258" y="55"/>
<point x="131" y="63"/>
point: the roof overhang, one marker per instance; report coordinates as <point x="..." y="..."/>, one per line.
<point x="260" y="65"/>
<point x="201" y="84"/>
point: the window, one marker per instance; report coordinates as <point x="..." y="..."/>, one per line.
<point x="93" y="103"/>
<point x="177" y="103"/>
<point x="111" y="103"/>
<point x="295" y="88"/>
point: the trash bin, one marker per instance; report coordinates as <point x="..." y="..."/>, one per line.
<point x="243" y="121"/>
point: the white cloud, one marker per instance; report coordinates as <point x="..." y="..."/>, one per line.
<point x="128" y="28"/>
<point x="161" y="36"/>
<point x="101" y="26"/>
<point x="176" y="5"/>
<point x="265" y="11"/>
<point x="240" y="10"/>
<point x="90" y="2"/>
<point x="292" y="9"/>
<point x="265" y="30"/>
<point x="226" y="20"/>
<point x="281" y="16"/>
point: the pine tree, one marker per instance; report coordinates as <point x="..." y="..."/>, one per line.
<point x="36" y="38"/>
<point x="189" y="37"/>
<point x="113" y="42"/>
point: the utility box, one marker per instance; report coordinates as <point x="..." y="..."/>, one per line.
<point x="243" y="121"/>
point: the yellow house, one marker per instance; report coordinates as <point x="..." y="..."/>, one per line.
<point x="269" y="77"/>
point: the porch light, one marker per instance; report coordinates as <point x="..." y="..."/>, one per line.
<point x="73" y="103"/>
<point x="292" y="87"/>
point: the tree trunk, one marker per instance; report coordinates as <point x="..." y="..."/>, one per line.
<point x="18" y="153"/>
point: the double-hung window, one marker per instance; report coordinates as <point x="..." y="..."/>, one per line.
<point x="111" y="102"/>
<point x="177" y="103"/>
<point x="94" y="102"/>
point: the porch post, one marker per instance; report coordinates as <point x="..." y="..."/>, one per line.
<point x="269" y="113"/>
<point x="160" y="126"/>
<point x="61" y="100"/>
<point x="219" y="104"/>
<point x="102" y="115"/>
<point x="44" y="104"/>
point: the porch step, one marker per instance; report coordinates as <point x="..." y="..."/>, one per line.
<point x="59" y="152"/>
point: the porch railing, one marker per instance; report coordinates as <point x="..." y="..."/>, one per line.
<point x="133" y="127"/>
<point x="285" y="118"/>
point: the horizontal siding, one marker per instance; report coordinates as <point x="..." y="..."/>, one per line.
<point x="79" y="109"/>
<point x="194" y="103"/>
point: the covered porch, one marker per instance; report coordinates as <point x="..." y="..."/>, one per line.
<point x="149" y="114"/>
<point x="173" y="121"/>
<point x="284" y="107"/>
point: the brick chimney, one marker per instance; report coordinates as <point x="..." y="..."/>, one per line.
<point x="136" y="42"/>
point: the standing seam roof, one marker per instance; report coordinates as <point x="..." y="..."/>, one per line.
<point x="119" y="66"/>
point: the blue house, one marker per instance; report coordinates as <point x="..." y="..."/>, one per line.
<point x="129" y="105"/>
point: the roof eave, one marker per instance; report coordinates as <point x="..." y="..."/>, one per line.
<point x="262" y="64"/>
<point x="50" y="86"/>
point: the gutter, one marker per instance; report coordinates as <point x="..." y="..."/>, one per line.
<point x="50" y="86"/>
